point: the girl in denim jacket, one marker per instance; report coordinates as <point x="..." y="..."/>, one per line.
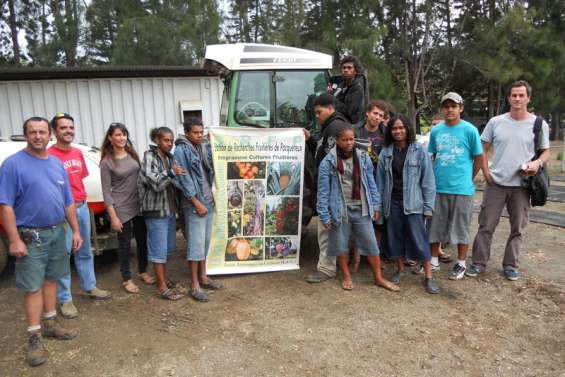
<point x="347" y="200"/>
<point x="407" y="187"/>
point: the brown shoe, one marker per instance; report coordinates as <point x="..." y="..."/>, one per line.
<point x="51" y="328"/>
<point x="36" y="354"/>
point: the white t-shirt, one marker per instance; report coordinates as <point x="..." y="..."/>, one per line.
<point x="513" y="143"/>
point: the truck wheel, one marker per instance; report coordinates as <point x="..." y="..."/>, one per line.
<point x="3" y="255"/>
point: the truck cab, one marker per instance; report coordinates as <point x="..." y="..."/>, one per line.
<point x="269" y="86"/>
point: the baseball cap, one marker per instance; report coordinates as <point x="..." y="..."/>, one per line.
<point x="61" y="116"/>
<point x="452" y="96"/>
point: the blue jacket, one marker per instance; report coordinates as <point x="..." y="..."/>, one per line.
<point x="419" y="186"/>
<point x="331" y="203"/>
<point x="187" y="157"/>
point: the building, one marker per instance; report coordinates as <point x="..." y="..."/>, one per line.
<point x="140" y="97"/>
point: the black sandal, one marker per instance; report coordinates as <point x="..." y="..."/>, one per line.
<point x="170" y="294"/>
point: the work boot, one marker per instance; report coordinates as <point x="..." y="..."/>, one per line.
<point x="69" y="310"/>
<point x="51" y="328"/>
<point x="99" y="294"/>
<point x="36" y="354"/>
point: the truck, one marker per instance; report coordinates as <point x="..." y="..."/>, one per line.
<point x="254" y="85"/>
<point x="269" y="86"/>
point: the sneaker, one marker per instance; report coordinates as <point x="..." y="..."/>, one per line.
<point x="36" y="354"/>
<point x="51" y="328"/>
<point x="431" y="286"/>
<point x="473" y="271"/>
<point x="99" y="294"/>
<point x="395" y="279"/>
<point x="511" y="275"/>
<point x="199" y="295"/>
<point x="211" y="285"/>
<point x="457" y="272"/>
<point x="68" y="310"/>
<point x="317" y="277"/>
<point x="419" y="270"/>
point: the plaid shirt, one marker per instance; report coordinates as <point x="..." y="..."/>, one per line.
<point x="153" y="183"/>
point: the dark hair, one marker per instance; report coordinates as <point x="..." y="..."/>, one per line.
<point x="379" y="104"/>
<point x="324" y="100"/>
<point x="34" y="119"/>
<point x="60" y="116"/>
<point x="190" y="122"/>
<point x="410" y="134"/>
<point x="354" y="60"/>
<point x="158" y="132"/>
<point x="107" y="150"/>
<point x="341" y="131"/>
<point x="519" y="83"/>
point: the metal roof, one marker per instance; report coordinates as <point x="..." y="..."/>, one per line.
<point x="252" y="56"/>
<point x="53" y="73"/>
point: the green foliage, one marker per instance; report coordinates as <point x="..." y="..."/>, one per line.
<point x="413" y="51"/>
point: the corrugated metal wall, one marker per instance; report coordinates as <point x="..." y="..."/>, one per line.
<point x="139" y="103"/>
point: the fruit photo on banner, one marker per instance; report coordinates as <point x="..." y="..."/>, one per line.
<point x="281" y="247"/>
<point x="244" y="249"/>
<point x="282" y="215"/>
<point x="253" y="208"/>
<point x="283" y="178"/>
<point x="246" y="170"/>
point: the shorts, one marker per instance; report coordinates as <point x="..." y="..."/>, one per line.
<point x="47" y="259"/>
<point x="161" y="238"/>
<point x="452" y="219"/>
<point x="199" y="232"/>
<point x="358" y="226"/>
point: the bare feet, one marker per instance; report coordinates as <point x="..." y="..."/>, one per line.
<point x="347" y="284"/>
<point x="130" y="287"/>
<point x="146" y="278"/>
<point x="387" y="285"/>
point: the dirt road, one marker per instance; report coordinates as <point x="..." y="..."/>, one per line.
<point x="277" y="325"/>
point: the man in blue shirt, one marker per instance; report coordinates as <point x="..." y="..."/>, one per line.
<point x="458" y="154"/>
<point x="35" y="200"/>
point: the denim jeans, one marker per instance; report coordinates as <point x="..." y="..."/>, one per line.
<point x="406" y="234"/>
<point x="84" y="260"/>
<point x="132" y="228"/>
<point x="199" y="232"/>
<point x="161" y="237"/>
<point x="357" y="227"/>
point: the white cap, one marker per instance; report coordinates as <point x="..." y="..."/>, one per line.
<point x="452" y="96"/>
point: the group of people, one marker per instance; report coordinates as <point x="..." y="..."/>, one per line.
<point x="45" y="215"/>
<point x="377" y="189"/>
<point x="380" y="189"/>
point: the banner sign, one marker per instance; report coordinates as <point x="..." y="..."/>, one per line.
<point x="258" y="196"/>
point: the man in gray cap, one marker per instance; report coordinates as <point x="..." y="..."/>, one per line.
<point x="456" y="148"/>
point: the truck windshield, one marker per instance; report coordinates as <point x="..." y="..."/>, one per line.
<point x="278" y="98"/>
<point x="253" y="100"/>
<point x="295" y="92"/>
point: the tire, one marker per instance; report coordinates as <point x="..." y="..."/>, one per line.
<point x="3" y="255"/>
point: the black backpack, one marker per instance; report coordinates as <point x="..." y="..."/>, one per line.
<point x="537" y="185"/>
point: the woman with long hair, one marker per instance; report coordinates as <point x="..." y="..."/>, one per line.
<point x="119" y="171"/>
<point x="407" y="186"/>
